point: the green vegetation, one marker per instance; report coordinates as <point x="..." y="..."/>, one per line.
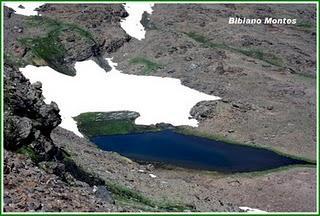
<point x="96" y="123"/>
<point x="253" y="53"/>
<point x="56" y="27"/>
<point x="258" y="54"/>
<point x="29" y="152"/>
<point x="125" y="196"/>
<point x="149" y="66"/>
<point x="279" y="169"/>
<point x="122" y="195"/>
<point x="49" y="47"/>
<point x="304" y="24"/>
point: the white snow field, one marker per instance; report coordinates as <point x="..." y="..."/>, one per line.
<point x="28" y="10"/>
<point x="157" y="99"/>
<point x="131" y="24"/>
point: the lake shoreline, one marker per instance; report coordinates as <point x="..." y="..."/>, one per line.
<point x="86" y="125"/>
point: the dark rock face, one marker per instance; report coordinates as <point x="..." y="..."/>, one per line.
<point x="28" y="125"/>
<point x="116" y="44"/>
<point x="146" y="22"/>
<point x="8" y="12"/>
<point x="28" y="119"/>
<point x="203" y="110"/>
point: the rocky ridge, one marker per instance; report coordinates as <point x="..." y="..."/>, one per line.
<point x="56" y="40"/>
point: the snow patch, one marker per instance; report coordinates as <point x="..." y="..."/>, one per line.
<point x="131" y="24"/>
<point x="252" y="210"/>
<point x="28" y="10"/>
<point x="157" y="99"/>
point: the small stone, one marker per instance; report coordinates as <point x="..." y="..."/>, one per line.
<point x="152" y="175"/>
<point x="202" y="24"/>
<point x="150" y="167"/>
<point x="54" y="106"/>
<point x="236" y="105"/>
<point x="188" y="58"/>
<point x="37" y="85"/>
<point x="207" y="199"/>
<point x="269" y="107"/>
<point x="225" y="100"/>
<point x="171" y="71"/>
<point x="219" y="69"/>
<point x="193" y="66"/>
<point x="70" y="39"/>
<point x="21" y="7"/>
<point x="103" y="193"/>
<point x="231" y="131"/>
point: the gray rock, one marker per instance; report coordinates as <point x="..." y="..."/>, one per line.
<point x="204" y="110"/>
<point x="188" y="58"/>
<point x="193" y="66"/>
<point x="29" y="120"/>
<point x="24" y="128"/>
<point x="220" y="69"/>
<point x="103" y="193"/>
<point x="37" y="85"/>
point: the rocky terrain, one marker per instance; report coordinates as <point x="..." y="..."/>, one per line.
<point x="38" y="175"/>
<point x="200" y="190"/>
<point x="265" y="75"/>
<point x="30" y="188"/>
<point x="55" y="40"/>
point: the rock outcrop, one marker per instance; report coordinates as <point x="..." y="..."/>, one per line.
<point x="42" y="177"/>
<point x="28" y="119"/>
<point x="64" y="34"/>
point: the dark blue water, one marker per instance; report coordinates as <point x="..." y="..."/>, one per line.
<point x="195" y="152"/>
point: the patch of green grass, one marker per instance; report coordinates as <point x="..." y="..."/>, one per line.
<point x="126" y="196"/>
<point x="304" y="24"/>
<point x="253" y="53"/>
<point x="279" y="169"/>
<point x="96" y="123"/>
<point x="48" y="47"/>
<point x="149" y="66"/>
<point x="258" y="54"/>
<point x="121" y="192"/>
<point x="29" y="152"/>
<point x="198" y="38"/>
<point x="55" y="26"/>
